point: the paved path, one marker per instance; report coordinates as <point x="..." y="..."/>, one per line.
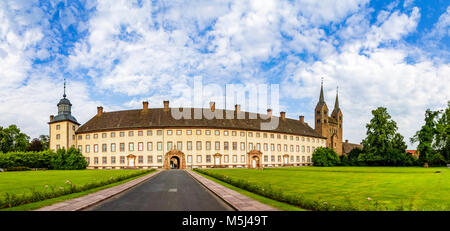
<point x="238" y="201"/>
<point x="93" y="198"/>
<point x="172" y="190"/>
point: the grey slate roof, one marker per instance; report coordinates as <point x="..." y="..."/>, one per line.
<point x="158" y="118"/>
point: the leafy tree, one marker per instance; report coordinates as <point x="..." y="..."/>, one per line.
<point x="71" y="159"/>
<point x="425" y="137"/>
<point x="383" y="145"/>
<point x="35" y="145"/>
<point x="325" y="157"/>
<point x="11" y="139"/>
<point x="45" y="140"/>
<point x="443" y="134"/>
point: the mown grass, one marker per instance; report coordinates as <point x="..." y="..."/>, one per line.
<point x="19" y="189"/>
<point x="347" y="188"/>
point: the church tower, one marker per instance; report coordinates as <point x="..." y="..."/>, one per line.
<point x="321" y="114"/>
<point x="62" y="127"/>
<point x="329" y="127"/>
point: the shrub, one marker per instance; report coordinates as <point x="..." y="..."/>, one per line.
<point x="26" y="159"/>
<point x="325" y="157"/>
<point x="437" y="160"/>
<point x="71" y="159"/>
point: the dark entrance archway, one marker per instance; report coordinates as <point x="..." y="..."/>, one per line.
<point x="174" y="159"/>
<point x="175" y="162"/>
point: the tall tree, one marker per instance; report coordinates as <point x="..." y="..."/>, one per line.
<point x="45" y="140"/>
<point x="442" y="143"/>
<point x="11" y="139"/>
<point x="35" y="145"/>
<point x="425" y="137"/>
<point x="383" y="144"/>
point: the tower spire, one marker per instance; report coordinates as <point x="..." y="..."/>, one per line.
<point x="321" y="98"/>
<point x="64" y="88"/>
<point x="336" y="104"/>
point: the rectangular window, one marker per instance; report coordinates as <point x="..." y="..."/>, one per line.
<point x="149" y="146"/>
<point x="95" y="136"/>
<point x="87" y="148"/>
<point x="303" y="148"/>
<point x="104" y="147"/>
<point x="113" y="134"/>
<point x="88" y="160"/>
<point x="208" y="145"/>
<point x="131" y="147"/>
<point x="217" y="132"/>
<point x="159" y="159"/>
<point x="140" y="133"/>
<point x="95" y="160"/>
<point x="58" y="127"/>
<point x="258" y="146"/>
<point x="130" y="133"/>
<point x="225" y="146"/>
<point x="88" y="137"/>
<point x="266" y="159"/>
<point x="242" y="158"/>
<point x="233" y="133"/>
<point x="234" y="158"/>
<point x="199" y="159"/>
<point x="217" y="145"/>
<point x="122" y="147"/>
<point x="122" y="134"/>
<point x="178" y="132"/>
<point x="234" y="146"/>
<point x="169" y="145"/>
<point x="199" y="145"/>
<point x="140" y="146"/>
<point x="150" y="159"/>
<point x="113" y="160"/>
<point x="279" y="158"/>
<point x="95" y="147"/>
<point x="250" y="146"/>
<point x="272" y="158"/>
<point x="250" y="134"/>
<point x="58" y="136"/>
<point x="103" y="135"/>
<point x="303" y="159"/>
<point x="266" y="147"/>
<point x="279" y="147"/>
<point x="122" y="159"/>
<point x="149" y="133"/>
<point x="208" y="132"/>
<point x="189" y="159"/>
<point x="169" y="132"/>
<point x="180" y="145"/>
<point x="242" y="133"/>
<point x="297" y="148"/>
<point x="225" y="133"/>
<point x="141" y="159"/>
<point x="159" y="132"/>
<point x="159" y="144"/>
<point x="308" y="149"/>
<point x="272" y="147"/>
<point x="80" y="148"/>
<point x="80" y="137"/>
<point x="189" y="145"/>
<point x="225" y="159"/>
<point x="285" y="147"/>
<point x="189" y="132"/>
<point x="199" y="132"/>
<point x="292" y="148"/>
<point x="104" y="160"/>
<point x="208" y="158"/>
<point x="242" y="146"/>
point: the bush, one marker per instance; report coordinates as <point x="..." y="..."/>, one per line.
<point x="26" y="159"/>
<point x="437" y="160"/>
<point x="325" y="157"/>
<point x="71" y="159"/>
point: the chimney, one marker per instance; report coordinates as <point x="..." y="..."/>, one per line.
<point x="269" y="113"/>
<point x="51" y="118"/>
<point x="145" y="106"/>
<point x="237" y="108"/>
<point x="283" y="115"/>
<point x="99" y="111"/>
<point x="346" y="141"/>
<point x="212" y="105"/>
<point x="166" y="105"/>
<point x="302" y="119"/>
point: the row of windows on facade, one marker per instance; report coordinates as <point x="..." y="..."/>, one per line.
<point x="226" y="159"/>
<point x="179" y="146"/>
<point x="199" y="132"/>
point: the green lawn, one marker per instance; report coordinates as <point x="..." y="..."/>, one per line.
<point x="391" y="188"/>
<point x="23" y="183"/>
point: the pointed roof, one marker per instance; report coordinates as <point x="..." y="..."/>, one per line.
<point x="336" y="104"/>
<point x="321" y="97"/>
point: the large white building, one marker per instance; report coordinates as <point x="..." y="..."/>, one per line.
<point x="152" y="138"/>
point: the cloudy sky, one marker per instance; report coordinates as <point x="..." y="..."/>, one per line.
<point x="116" y="54"/>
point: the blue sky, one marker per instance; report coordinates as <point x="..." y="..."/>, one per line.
<point x="118" y="53"/>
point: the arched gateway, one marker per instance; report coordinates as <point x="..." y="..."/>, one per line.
<point x="175" y="159"/>
<point x="254" y="159"/>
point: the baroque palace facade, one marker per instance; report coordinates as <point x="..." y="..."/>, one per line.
<point x="152" y="138"/>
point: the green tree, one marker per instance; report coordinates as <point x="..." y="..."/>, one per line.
<point x="72" y="159"/>
<point x="12" y="140"/>
<point x="35" y="145"/>
<point x="325" y="157"/>
<point x="383" y="144"/>
<point x="45" y="140"/>
<point x="442" y="142"/>
<point x="425" y="137"/>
